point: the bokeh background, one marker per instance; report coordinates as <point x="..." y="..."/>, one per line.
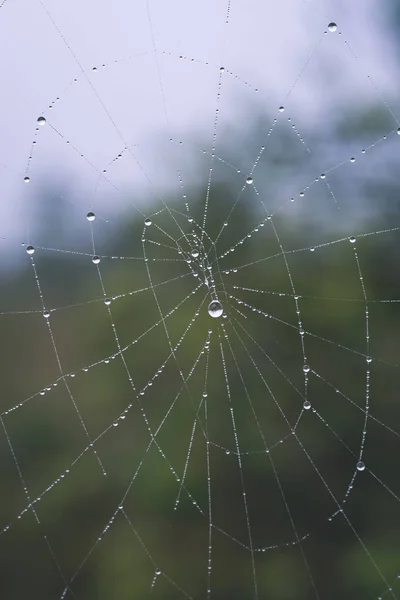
<point x="137" y="111"/>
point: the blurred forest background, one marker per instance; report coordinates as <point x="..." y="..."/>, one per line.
<point x="264" y="365"/>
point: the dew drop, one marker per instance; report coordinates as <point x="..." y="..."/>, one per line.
<point x="158" y="572"/>
<point x="222" y="69"/>
<point x="307" y="405"/>
<point x="352" y="159"/>
<point x="195" y="253"/>
<point x="360" y="466"/>
<point x="26" y="179"/>
<point x="30" y="250"/>
<point x="249" y="180"/>
<point x="215" y="309"/>
<point x="46" y="314"/>
<point x="306" y="369"/>
<point x="90" y="216"/>
<point x="41" y="121"/>
<point x="368" y="359"/>
<point x="322" y="176"/>
<point x="95" y="259"/>
<point x="352" y="239"/>
<point x="107" y="301"/>
<point x="398" y="131"/>
<point x="147" y="222"/>
<point x="332" y="27"/>
<point x="281" y="108"/>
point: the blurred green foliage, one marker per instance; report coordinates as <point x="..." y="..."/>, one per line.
<point x="307" y="473"/>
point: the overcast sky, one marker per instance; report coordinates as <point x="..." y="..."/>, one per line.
<point x="146" y="94"/>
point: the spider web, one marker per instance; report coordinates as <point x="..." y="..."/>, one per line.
<point x="199" y="302"/>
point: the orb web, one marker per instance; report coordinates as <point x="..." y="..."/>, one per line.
<point x="148" y="449"/>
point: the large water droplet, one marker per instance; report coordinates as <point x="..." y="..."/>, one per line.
<point x="90" y="216"/>
<point x="360" y="466"/>
<point x="215" y="309"/>
<point x="249" y="180"/>
<point x="306" y="369"/>
<point x="398" y="131"/>
<point x="352" y="239"/>
<point x="30" y="250"/>
<point x="95" y="259"/>
<point x="332" y="27"/>
<point x="26" y="179"/>
<point x="307" y="405"/>
<point x="195" y="253"/>
<point x="41" y="121"/>
<point x="107" y="301"/>
<point x="147" y="222"/>
<point x="281" y="108"/>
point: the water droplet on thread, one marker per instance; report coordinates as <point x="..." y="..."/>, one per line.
<point x="147" y="222"/>
<point x="306" y="369"/>
<point x="281" y="108"/>
<point x="215" y="309"/>
<point x="332" y="27"/>
<point x="95" y="259"/>
<point x="30" y="250"/>
<point x="107" y="301"/>
<point x="26" y="179"/>
<point x="307" y="405"/>
<point x="249" y="180"/>
<point x="352" y="239"/>
<point x="41" y="121"/>
<point x="195" y="253"/>
<point x="360" y="466"/>
<point x="90" y="216"/>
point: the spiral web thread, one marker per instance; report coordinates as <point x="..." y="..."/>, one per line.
<point x="210" y="272"/>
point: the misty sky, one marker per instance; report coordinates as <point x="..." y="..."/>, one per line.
<point x="146" y="94"/>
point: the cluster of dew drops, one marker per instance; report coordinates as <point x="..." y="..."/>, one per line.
<point x="215" y="308"/>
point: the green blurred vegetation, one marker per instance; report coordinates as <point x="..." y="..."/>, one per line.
<point x="264" y="372"/>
